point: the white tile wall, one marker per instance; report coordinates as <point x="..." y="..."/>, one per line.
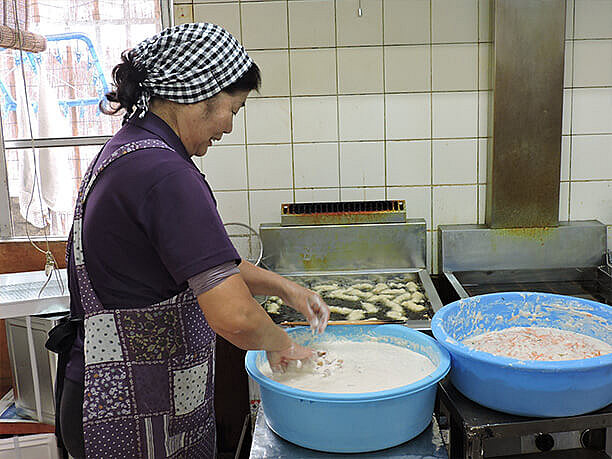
<point x="316" y="165"/>
<point x="362" y="164"/>
<point x="408" y="116"/>
<point x="591" y="200"/>
<point x="455" y="114"/>
<point x="268" y="120"/>
<point x="564" y="201"/>
<point x="455" y="204"/>
<point x="593" y="63"/>
<point x="317" y="195"/>
<point x="591" y="157"/>
<point x="361" y="117"/>
<point x="236" y="136"/>
<point x="311" y="24"/>
<point x="362" y="193"/>
<point x="313" y="71"/>
<point x="394" y="104"/>
<point x="264" y="25"/>
<point x="274" y="67"/>
<point x="406" y="22"/>
<point x="455" y="67"/>
<point x="227" y="15"/>
<point x="455" y="161"/>
<point x="183" y="14"/>
<point x="233" y="206"/>
<point x="360" y="70"/>
<point x="592" y="110"/>
<point x="354" y="30"/>
<point x="409" y="162"/>
<point x="593" y="19"/>
<point x="267" y="161"/>
<point x="219" y="161"/>
<point x="415" y="57"/>
<point x="315" y="119"/>
<point x="418" y="201"/>
<point x="454" y="22"/>
<point x="565" y="157"/>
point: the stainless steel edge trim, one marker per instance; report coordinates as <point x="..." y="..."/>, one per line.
<point x="167" y="13"/>
<point x="351" y="272"/>
<point x="578" y="243"/>
<point x="18" y="144"/>
<point x="456" y="285"/>
<point x="5" y="207"/>
<point x="432" y="294"/>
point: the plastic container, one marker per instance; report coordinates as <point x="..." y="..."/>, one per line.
<point x="353" y="422"/>
<point x="527" y="387"/>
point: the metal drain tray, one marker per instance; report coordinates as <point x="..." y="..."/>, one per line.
<point x="21" y="295"/>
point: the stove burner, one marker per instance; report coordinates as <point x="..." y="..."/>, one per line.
<point x="587" y="283"/>
<point x="477" y="432"/>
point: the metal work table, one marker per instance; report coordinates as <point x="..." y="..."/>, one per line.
<point x="428" y="445"/>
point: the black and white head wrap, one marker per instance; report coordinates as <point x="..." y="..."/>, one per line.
<point x="188" y="63"/>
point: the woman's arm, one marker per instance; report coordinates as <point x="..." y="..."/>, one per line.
<point x="264" y="282"/>
<point x="232" y="313"/>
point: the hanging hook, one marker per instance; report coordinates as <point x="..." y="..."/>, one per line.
<point x="359" y="10"/>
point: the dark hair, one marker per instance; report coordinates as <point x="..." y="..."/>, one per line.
<point x="127" y="90"/>
<point x="249" y="81"/>
<point x="126" y="83"/>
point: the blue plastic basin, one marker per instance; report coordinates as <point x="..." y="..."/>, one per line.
<point x="527" y="387"/>
<point x="353" y="422"/>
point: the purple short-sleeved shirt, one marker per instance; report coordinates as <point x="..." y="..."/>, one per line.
<point x="150" y="223"/>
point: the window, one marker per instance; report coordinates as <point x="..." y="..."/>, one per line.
<point x="63" y="85"/>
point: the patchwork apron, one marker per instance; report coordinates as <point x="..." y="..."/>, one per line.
<point x="149" y="371"/>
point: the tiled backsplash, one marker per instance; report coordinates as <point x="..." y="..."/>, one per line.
<point x="392" y="104"/>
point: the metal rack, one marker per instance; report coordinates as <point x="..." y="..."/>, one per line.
<point x="23" y="295"/>
<point x="99" y="80"/>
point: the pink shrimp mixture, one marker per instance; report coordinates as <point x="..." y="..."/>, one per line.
<point x="538" y="343"/>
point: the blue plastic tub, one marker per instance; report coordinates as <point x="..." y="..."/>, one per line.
<point x="527" y="387"/>
<point x="352" y="423"/>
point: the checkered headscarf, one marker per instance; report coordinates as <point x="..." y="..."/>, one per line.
<point x="188" y="63"/>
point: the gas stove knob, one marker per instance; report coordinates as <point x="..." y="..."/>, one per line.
<point x="544" y="442"/>
<point x="594" y="439"/>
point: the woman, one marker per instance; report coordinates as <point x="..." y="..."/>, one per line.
<point x="151" y="268"/>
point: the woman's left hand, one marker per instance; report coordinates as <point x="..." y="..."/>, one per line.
<point x="308" y="303"/>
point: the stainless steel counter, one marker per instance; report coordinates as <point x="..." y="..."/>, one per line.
<point x="428" y="445"/>
<point x="22" y="294"/>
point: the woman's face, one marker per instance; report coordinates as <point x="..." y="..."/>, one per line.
<point x="202" y="123"/>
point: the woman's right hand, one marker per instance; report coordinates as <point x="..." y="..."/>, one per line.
<point x="280" y="359"/>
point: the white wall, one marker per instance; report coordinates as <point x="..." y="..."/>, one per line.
<point x="393" y="105"/>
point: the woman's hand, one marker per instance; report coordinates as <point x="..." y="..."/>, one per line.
<point x="280" y="359"/>
<point x="308" y="303"/>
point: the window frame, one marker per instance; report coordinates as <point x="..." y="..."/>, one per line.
<point x="6" y="220"/>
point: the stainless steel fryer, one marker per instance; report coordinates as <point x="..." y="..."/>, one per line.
<point x="365" y="241"/>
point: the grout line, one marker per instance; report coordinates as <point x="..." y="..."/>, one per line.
<point x="478" y="113"/>
<point x="384" y="82"/>
<point x="431" y="117"/>
<point x="361" y="45"/>
<point x="571" y="118"/>
<point x="290" y="106"/>
<point x="337" y="100"/>
<point x="364" y="93"/>
<point x="246" y="142"/>
<point x="412" y="139"/>
<point x="431" y="153"/>
<point x="305" y="188"/>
